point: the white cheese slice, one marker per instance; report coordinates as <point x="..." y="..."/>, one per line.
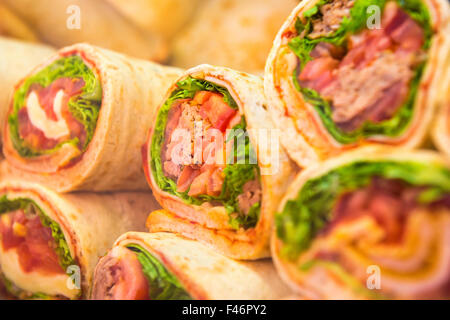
<point x="51" y="129"/>
<point x="52" y="285"/>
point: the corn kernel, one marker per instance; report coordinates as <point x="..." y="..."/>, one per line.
<point x="19" y="229"/>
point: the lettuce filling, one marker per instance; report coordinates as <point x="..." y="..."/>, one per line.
<point x="84" y="107"/>
<point x="305" y="216"/>
<point x="62" y="249"/>
<point x="236" y="174"/>
<point x="163" y="285"/>
<point x="302" y="47"/>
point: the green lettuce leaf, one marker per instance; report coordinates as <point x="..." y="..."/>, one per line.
<point x="236" y="174"/>
<point x="303" y="218"/>
<point x="85" y="107"/>
<point x="163" y="285"/>
<point x="302" y="47"/>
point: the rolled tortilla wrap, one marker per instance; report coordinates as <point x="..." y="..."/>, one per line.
<point x="49" y="239"/>
<point x="232" y="33"/>
<point x="165" y="18"/>
<point x="370" y="224"/>
<point x="65" y="22"/>
<point x="336" y="80"/>
<point x="164" y="266"/>
<point x="214" y="162"/>
<point x="441" y="128"/>
<point x="17" y="58"/>
<point x="78" y="121"/>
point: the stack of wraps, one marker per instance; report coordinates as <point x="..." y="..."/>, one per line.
<point x="215" y="164"/>
<point x="348" y="73"/>
<point x="65" y="22"/>
<point x="371" y="224"/>
<point x="164" y="266"/>
<point x="50" y="243"/>
<point x="78" y="120"/>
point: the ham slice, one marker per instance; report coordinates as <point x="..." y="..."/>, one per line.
<point x="372" y="80"/>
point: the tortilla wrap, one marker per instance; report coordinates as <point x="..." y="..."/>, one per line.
<point x="66" y="22"/>
<point x="384" y="236"/>
<point x="12" y="26"/>
<point x="116" y="110"/>
<point x="233" y="232"/>
<point x="164" y="18"/>
<point x="17" y="58"/>
<point x="87" y="225"/>
<point x="202" y="273"/>
<point x="441" y="131"/>
<point x="325" y="118"/>
<point x="232" y="33"/>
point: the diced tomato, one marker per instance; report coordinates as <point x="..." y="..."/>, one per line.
<point x="131" y="283"/>
<point x="35" y="244"/>
<point x="199" y="185"/>
<point x="215" y="183"/>
<point x="201" y="97"/>
<point x="188" y="174"/>
<point x="217" y="111"/>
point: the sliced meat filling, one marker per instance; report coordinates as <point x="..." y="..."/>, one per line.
<point x="369" y="79"/>
<point x="250" y="196"/>
<point x="391" y="203"/>
<point x="388" y="201"/>
<point x="195" y="148"/>
<point x="119" y="276"/>
<point x="332" y="15"/>
<point x="45" y="121"/>
<point x="32" y="241"/>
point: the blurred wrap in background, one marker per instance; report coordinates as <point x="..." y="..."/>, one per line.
<point x="232" y="33"/>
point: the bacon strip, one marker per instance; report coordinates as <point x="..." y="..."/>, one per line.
<point x="371" y="81"/>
